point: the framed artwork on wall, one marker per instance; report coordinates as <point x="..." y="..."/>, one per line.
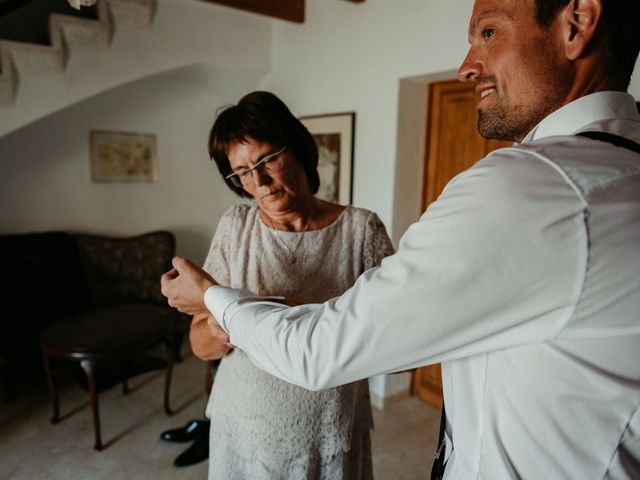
<point x="123" y="156"/>
<point x="334" y="135"/>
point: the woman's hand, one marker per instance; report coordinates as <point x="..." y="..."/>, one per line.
<point x="218" y="332"/>
<point x="184" y="286"/>
<point x="204" y="344"/>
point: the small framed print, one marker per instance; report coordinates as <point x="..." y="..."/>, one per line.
<point x="334" y="135"/>
<point x="123" y="156"/>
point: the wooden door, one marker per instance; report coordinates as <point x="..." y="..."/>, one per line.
<point x="452" y="145"/>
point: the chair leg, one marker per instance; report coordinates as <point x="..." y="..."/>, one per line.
<point x="89" y="369"/>
<point x="176" y="343"/>
<point x="125" y="386"/>
<point x="167" y="384"/>
<point x="55" y="418"/>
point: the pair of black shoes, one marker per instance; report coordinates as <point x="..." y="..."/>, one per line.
<point x="196" y="431"/>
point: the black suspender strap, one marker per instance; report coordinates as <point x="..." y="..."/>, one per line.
<point x="437" y="471"/>
<point x="616" y="140"/>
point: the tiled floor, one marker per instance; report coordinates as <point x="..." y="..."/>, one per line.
<point x="32" y="449"/>
<point x="404" y="440"/>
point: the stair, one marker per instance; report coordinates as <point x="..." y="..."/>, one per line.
<point x="128" y="41"/>
<point x="18" y="59"/>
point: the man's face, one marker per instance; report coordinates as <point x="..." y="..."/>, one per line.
<point x="520" y="72"/>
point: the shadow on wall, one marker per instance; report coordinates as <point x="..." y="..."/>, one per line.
<point x="192" y="241"/>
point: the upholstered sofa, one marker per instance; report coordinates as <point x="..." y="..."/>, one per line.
<point x="52" y="276"/>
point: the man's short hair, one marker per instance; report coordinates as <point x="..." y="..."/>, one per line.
<point x="619" y="20"/>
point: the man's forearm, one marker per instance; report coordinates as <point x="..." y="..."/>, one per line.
<point x="286" y="342"/>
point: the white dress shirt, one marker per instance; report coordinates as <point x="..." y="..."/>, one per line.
<point x="523" y="280"/>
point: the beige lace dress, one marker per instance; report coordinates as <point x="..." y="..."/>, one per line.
<point x="263" y="427"/>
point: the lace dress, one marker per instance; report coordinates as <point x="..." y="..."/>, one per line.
<point x="263" y="427"/>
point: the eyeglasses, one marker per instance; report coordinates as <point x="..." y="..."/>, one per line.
<point x="272" y="163"/>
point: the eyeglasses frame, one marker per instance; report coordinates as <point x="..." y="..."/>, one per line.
<point x="235" y="176"/>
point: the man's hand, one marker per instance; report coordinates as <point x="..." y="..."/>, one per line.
<point x="184" y="286"/>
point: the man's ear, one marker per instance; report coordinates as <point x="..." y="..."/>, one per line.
<point x="580" y="20"/>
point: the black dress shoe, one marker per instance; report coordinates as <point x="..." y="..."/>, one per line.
<point x="192" y="430"/>
<point x="197" y="452"/>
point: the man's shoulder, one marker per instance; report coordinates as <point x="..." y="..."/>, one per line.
<point x="557" y="151"/>
<point x="507" y="173"/>
<point x="582" y="162"/>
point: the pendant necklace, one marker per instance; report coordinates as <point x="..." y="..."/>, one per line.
<point x="292" y="251"/>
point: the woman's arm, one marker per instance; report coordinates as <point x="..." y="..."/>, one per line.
<point x="208" y="342"/>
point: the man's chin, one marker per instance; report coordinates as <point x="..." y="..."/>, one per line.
<point x="487" y="127"/>
<point x="493" y="126"/>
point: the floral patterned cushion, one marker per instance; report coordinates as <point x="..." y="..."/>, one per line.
<point x="126" y="270"/>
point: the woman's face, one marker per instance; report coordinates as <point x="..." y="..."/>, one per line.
<point x="275" y="193"/>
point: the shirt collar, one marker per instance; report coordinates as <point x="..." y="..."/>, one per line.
<point x="572" y="117"/>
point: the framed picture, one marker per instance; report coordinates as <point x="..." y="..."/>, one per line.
<point x="334" y="134"/>
<point x="123" y="156"/>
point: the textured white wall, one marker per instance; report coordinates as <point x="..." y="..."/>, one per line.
<point x="183" y="33"/>
<point x="46" y="184"/>
<point x="350" y="57"/>
<point x="634" y="87"/>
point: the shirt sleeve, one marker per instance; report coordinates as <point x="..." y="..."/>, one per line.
<point x="473" y="275"/>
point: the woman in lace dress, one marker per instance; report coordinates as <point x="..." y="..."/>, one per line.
<point x="286" y="242"/>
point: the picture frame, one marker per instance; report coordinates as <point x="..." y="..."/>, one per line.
<point x="123" y="157"/>
<point x="334" y="135"/>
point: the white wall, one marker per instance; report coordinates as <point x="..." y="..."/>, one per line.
<point x="183" y="33"/>
<point x="46" y="178"/>
<point x="634" y="87"/>
<point x="350" y="57"/>
<point x="45" y="182"/>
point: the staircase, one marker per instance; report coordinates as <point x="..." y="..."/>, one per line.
<point x="19" y="60"/>
<point x="129" y="40"/>
<point x="67" y="32"/>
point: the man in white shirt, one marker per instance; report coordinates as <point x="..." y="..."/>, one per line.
<point x="522" y="279"/>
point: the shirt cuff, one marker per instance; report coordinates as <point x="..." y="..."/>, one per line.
<point x="218" y="299"/>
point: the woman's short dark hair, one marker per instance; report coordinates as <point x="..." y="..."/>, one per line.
<point x="263" y="117"/>
<point x="619" y="21"/>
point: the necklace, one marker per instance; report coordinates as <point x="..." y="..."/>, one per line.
<point x="292" y="251"/>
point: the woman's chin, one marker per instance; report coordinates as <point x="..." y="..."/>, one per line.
<point x="275" y="203"/>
